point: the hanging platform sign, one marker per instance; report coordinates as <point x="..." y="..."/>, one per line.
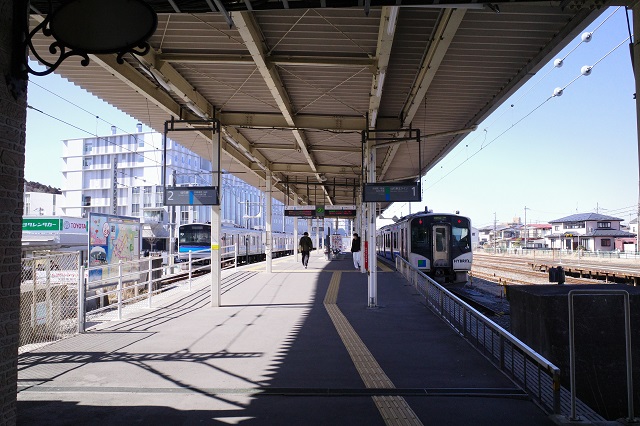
<point x="191" y="196"/>
<point x="389" y="192"/>
<point x="340" y="211"/>
<point x="299" y="211"/>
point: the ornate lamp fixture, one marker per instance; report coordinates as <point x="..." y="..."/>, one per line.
<point x="84" y="27"/>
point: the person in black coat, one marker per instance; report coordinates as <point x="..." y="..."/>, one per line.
<point x="305" y="247"/>
<point x="355" y="250"/>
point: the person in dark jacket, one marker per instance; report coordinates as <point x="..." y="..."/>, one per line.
<point x="355" y="250"/>
<point x="305" y="247"/>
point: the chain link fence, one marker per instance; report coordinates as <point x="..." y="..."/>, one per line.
<point x="48" y="299"/>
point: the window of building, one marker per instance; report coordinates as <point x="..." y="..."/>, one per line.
<point x="88" y="145"/>
<point x="605" y="242"/>
<point x="147" y="196"/>
<point x="135" y="209"/>
<point x="184" y="216"/>
<point x="140" y="158"/>
<point x="159" y="197"/>
<point x="604" y="225"/>
<point x="86" y="201"/>
<point x="574" y="225"/>
<point x="556" y="228"/>
<point x="87" y="162"/>
<point x="27" y="204"/>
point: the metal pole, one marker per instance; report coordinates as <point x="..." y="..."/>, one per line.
<point x="150" y="282"/>
<point x="120" y="289"/>
<point x="236" y="247"/>
<point x="267" y="216"/>
<point x="81" y="298"/>
<point x="190" y="268"/>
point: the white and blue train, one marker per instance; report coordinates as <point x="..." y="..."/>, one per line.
<point x="196" y="237"/>
<point x="438" y="244"/>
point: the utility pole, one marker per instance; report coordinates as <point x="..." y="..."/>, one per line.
<point x="526" y="231"/>
<point x="495" y="235"/>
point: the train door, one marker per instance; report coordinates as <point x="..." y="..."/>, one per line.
<point x="440" y="245"/>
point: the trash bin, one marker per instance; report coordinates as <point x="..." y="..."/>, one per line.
<point x="560" y="275"/>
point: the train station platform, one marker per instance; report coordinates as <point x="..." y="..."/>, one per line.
<point x="293" y="347"/>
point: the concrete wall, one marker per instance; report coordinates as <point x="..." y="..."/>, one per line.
<point x="13" y="117"/>
<point x="540" y="318"/>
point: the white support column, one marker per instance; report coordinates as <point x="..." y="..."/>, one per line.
<point x="371" y="231"/>
<point x="317" y="221"/>
<point x="295" y="233"/>
<point x="216" y="273"/>
<point x="215" y="256"/>
<point x="267" y="218"/>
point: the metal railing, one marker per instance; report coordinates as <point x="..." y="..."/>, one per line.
<point x="49" y="299"/>
<point x="556" y="254"/>
<point x="110" y="289"/>
<point x="537" y="376"/>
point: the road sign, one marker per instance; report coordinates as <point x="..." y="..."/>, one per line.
<point x="191" y="196"/>
<point x="387" y="192"/>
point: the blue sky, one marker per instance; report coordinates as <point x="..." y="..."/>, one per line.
<point x="574" y="153"/>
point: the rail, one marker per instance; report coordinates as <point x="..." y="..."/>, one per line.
<point x="537" y="376"/>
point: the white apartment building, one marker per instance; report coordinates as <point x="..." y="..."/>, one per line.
<point x="42" y="204"/>
<point x="127" y="167"/>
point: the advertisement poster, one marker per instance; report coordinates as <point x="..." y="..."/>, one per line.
<point x="113" y="239"/>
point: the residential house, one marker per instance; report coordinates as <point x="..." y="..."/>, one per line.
<point x="591" y="231"/>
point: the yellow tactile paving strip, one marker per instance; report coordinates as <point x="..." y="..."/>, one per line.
<point x="394" y="409"/>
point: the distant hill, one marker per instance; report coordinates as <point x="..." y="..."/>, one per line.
<point x="39" y="187"/>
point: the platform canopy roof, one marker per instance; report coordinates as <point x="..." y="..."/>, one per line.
<point x="294" y="83"/>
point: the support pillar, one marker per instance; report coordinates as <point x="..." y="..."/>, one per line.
<point x="371" y="230"/>
<point x="267" y="217"/>
<point x="295" y="233"/>
<point x="13" y="118"/>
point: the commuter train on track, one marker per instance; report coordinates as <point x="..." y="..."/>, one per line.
<point x="196" y="237"/>
<point x="438" y="244"/>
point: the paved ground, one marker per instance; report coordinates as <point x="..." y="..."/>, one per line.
<point x="295" y="347"/>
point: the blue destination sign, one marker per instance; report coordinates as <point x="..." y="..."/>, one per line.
<point x="191" y="196"/>
<point x="389" y="192"/>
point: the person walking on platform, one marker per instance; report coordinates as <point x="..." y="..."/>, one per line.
<point x="305" y="247"/>
<point x="355" y="250"/>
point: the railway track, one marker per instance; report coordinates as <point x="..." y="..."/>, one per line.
<point x="515" y="271"/>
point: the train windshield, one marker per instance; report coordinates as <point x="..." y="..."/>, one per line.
<point x="194" y="234"/>
<point x="461" y="238"/>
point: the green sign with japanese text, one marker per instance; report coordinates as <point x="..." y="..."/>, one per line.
<point x="35" y="224"/>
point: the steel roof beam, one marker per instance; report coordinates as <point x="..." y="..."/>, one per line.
<point x="250" y="33"/>
<point x="446" y="29"/>
<point x="301" y="60"/>
<point x="305" y="121"/>
<point x="386" y="32"/>
<point x="344" y="171"/>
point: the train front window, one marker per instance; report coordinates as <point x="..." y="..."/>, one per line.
<point x="194" y="235"/>
<point x="460" y="237"/>
<point x="441" y="239"/>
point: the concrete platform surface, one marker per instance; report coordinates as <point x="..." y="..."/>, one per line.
<point x="294" y="347"/>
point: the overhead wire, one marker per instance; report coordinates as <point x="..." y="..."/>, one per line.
<point x="530" y="112"/>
